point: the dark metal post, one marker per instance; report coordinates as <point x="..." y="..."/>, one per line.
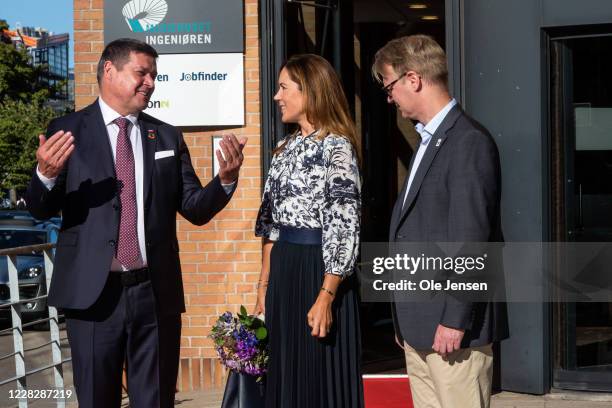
<point x="272" y="34"/>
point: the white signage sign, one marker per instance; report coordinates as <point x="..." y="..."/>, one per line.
<point x="199" y="89"/>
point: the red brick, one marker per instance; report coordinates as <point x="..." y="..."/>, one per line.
<point x="97" y="47"/>
<point x="93" y="14"/>
<point x="82" y="89"/>
<point x="83" y="68"/>
<point x="189" y="268"/>
<point x="197" y="322"/>
<point x="211" y="288"/>
<point x="86" y="57"/>
<point x="207" y="373"/>
<point x="224" y="256"/>
<point x="234" y="235"/>
<point x="201" y="342"/>
<point x="248" y="267"/>
<point x="248" y="246"/>
<point x="199" y="310"/>
<point x="188" y="246"/>
<point x="206" y="299"/>
<point x="184" y="374"/>
<point x="190" y="352"/>
<point x="206" y="246"/>
<point x="88" y="36"/>
<point x="215" y="267"/>
<point x="196" y="380"/>
<point x="82" y="4"/>
<point x="190" y="289"/>
<point x="245" y="288"/>
<point x="97" y="24"/>
<point x="192" y="258"/>
<point x="252" y="257"/>
<point x="81" y="25"/>
<point x="216" y="277"/>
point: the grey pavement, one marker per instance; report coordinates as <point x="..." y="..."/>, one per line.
<point x="212" y="398"/>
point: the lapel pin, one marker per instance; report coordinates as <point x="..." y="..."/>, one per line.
<point x="151" y="134"/>
<point x="439" y="142"/>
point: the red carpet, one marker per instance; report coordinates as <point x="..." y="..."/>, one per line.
<point x="382" y="391"/>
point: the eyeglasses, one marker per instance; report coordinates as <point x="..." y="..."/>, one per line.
<point x="389" y="87"/>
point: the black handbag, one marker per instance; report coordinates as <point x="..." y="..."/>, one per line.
<point x="243" y="391"/>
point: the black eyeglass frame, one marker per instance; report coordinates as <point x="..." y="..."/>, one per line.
<point x="387" y="89"/>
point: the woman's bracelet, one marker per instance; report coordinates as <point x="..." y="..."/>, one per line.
<point x="324" y="289"/>
<point x="262" y="283"/>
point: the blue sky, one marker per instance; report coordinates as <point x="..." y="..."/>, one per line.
<point x="54" y="15"/>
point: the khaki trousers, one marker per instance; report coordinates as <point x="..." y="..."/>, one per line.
<point x="462" y="380"/>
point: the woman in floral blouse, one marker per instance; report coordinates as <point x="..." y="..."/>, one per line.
<point x="309" y="218"/>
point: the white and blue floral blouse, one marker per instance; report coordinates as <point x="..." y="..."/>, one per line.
<point x="315" y="183"/>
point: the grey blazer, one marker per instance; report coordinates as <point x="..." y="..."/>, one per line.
<point x="454" y="197"/>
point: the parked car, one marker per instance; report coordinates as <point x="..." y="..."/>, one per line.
<point x="18" y="228"/>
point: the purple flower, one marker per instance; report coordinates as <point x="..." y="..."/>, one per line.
<point x="237" y="345"/>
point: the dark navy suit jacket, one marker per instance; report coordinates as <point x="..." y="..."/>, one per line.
<point x="454" y="197"/>
<point x="85" y="192"/>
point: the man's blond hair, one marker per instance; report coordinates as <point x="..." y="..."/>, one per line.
<point x="418" y="53"/>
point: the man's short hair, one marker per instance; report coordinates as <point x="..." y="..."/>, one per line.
<point x="118" y="52"/>
<point x="418" y="53"/>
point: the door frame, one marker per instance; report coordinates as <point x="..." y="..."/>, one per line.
<point x="556" y="124"/>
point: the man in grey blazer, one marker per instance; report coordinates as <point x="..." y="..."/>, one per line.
<point x="452" y="194"/>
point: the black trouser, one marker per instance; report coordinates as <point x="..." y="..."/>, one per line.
<point x="122" y="326"/>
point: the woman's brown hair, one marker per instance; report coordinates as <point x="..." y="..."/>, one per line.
<point x="326" y="105"/>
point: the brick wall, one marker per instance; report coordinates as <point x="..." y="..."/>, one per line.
<point x="221" y="260"/>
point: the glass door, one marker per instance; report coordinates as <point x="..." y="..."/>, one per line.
<point x="581" y="124"/>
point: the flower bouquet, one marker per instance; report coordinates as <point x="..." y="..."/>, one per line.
<point x="241" y="342"/>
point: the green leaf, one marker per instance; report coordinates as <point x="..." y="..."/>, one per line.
<point x="243" y="310"/>
<point x="261" y="333"/>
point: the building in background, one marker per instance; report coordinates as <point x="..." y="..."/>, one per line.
<point x="51" y="52"/>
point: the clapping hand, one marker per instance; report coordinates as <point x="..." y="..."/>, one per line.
<point x="231" y="159"/>
<point x="52" y="153"/>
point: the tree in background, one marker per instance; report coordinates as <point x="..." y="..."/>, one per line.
<point x="20" y="124"/>
<point x="23" y="115"/>
<point x="18" y="79"/>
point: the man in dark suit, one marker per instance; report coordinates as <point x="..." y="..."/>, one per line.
<point x="452" y="194"/>
<point x="119" y="178"/>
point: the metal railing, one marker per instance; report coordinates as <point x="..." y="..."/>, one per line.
<point x="14" y="304"/>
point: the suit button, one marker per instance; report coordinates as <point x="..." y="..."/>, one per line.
<point x="398" y="236"/>
<point x="111" y="242"/>
<point x="116" y="207"/>
<point x="148" y="245"/>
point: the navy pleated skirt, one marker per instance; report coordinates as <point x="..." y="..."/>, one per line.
<point x="304" y="371"/>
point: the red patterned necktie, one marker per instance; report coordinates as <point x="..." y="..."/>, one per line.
<point x="128" y="251"/>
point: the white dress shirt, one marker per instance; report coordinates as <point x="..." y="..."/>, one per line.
<point x="426" y="132"/>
